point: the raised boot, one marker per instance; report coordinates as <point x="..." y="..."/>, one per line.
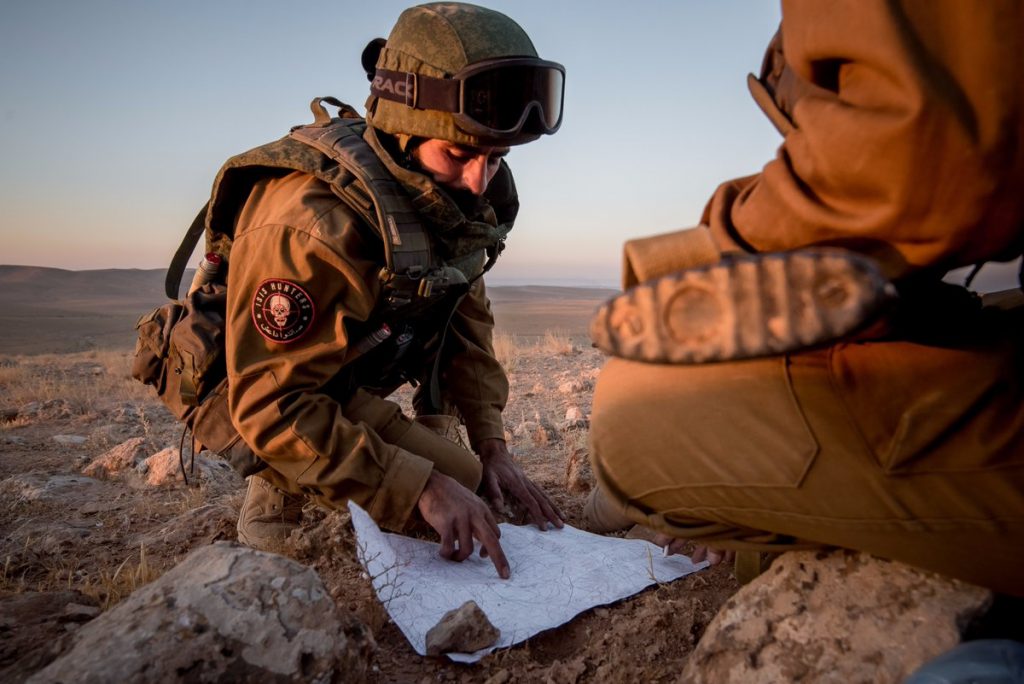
<point x="745" y="306"/>
<point x="268" y="515"/>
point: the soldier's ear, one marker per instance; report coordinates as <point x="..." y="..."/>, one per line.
<point x="370" y="55"/>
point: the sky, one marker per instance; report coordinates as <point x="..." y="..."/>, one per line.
<point x="116" y="114"/>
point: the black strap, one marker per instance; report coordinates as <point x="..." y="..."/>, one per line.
<point x="188" y="243"/>
<point x="416" y="90"/>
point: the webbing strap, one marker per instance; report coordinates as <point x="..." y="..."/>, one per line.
<point x="188" y="243"/>
<point x="407" y="249"/>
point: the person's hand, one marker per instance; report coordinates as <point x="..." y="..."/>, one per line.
<point x="459" y="516"/>
<point x="502" y="474"/>
<point x="700" y="553"/>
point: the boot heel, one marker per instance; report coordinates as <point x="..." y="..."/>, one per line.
<point x="744" y="307"/>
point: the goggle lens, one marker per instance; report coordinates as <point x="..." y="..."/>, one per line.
<point x="500" y="98"/>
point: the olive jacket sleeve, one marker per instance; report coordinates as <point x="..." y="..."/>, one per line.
<point x="298" y="272"/>
<point x="473" y="380"/>
<point x="903" y="123"/>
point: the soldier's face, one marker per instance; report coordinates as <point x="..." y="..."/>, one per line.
<point x="461" y="167"/>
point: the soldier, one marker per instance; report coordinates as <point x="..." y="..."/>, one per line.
<point x="902" y="125"/>
<point x="332" y="304"/>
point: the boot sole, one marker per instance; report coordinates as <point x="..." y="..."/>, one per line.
<point x="744" y="307"/>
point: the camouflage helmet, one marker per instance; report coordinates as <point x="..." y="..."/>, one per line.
<point x="415" y="77"/>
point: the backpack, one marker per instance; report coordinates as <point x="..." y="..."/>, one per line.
<point x="180" y="345"/>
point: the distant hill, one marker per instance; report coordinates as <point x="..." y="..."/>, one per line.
<point x="52" y="310"/>
<point x="38" y="288"/>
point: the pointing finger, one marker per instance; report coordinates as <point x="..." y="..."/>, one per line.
<point x="447" y="545"/>
<point x="490" y="544"/>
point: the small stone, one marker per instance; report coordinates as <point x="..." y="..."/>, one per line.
<point x="542" y="435"/>
<point x="39" y="486"/>
<point x="524" y="429"/>
<point x="574" y="419"/>
<point x="463" y="630"/>
<point x="575" y="386"/>
<point x="69" y="440"/>
<point x="579" y="478"/>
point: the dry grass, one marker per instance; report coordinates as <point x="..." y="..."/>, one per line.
<point x="556" y="343"/>
<point x="508" y="350"/>
<point x="79" y="381"/>
<point x="110" y="587"/>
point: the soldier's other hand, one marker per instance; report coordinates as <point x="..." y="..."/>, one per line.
<point x="459" y="516"/>
<point x="712" y="555"/>
<point x="700" y="553"/>
<point x="502" y="474"/>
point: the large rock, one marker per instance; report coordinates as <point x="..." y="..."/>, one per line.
<point x="124" y="457"/>
<point x="837" y="617"/>
<point x="33" y="627"/>
<point x="164" y="468"/>
<point x="227" y="613"/>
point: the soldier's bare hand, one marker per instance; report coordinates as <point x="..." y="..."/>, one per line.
<point x="460" y="516"/>
<point x="502" y="474"/>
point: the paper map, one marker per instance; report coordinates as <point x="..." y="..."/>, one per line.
<point x="556" y="575"/>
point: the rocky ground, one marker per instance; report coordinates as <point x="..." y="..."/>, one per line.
<point x="93" y="507"/>
<point x="95" y="515"/>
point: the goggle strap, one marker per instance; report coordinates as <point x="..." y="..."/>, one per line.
<point x="416" y="90"/>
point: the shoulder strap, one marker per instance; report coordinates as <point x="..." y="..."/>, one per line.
<point x="373" y="192"/>
<point x="333" y="150"/>
<point x="177" y="268"/>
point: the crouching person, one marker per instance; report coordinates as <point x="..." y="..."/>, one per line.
<point x="794" y="373"/>
<point x="356" y="266"/>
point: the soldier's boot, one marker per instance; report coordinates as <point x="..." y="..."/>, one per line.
<point x="745" y="306"/>
<point x="268" y="515"/>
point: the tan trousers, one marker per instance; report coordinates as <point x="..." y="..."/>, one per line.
<point x="910" y="450"/>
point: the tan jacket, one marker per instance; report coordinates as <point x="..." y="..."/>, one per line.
<point x="294" y="233"/>
<point x="904" y="137"/>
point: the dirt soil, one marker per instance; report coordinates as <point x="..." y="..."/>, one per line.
<point x="73" y="546"/>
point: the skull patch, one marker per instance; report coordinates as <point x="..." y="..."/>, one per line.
<point x="282" y="311"/>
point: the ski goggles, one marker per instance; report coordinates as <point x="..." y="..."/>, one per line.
<point x="493" y="98"/>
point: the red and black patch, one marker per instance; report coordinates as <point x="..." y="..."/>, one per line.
<point x="282" y="311"/>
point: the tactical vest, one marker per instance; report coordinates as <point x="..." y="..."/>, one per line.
<point x="180" y="348"/>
